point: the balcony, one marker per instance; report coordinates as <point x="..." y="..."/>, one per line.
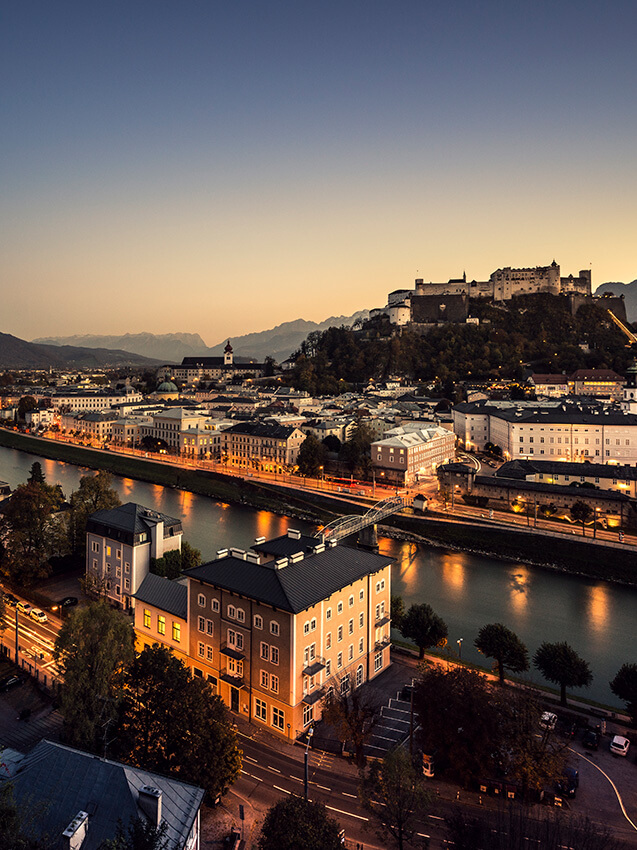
<point x="382" y="643"/>
<point x="382" y="621"/>
<point x="314" y="666"/>
<point x="313" y="697"/>
<point x="231" y="651"/>
<point x="231" y="677"/>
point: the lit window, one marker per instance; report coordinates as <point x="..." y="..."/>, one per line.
<point x="161" y="625"/>
<point x="146" y="618"/>
<point x="176" y="632"/>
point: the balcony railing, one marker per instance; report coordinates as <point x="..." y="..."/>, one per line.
<point x="231" y="651"/>
<point x="232" y="677"/>
<point x="314" y="666"/>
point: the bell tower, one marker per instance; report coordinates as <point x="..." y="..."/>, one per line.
<point x="629" y="402"/>
<point x="227" y="355"/>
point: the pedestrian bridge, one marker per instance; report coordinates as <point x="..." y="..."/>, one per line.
<point x="343" y="526"/>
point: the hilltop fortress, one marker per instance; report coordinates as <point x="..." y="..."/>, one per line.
<point x="433" y="303"/>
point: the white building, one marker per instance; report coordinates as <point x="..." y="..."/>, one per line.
<point x="410" y="452"/>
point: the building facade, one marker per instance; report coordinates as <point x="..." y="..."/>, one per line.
<point x="410" y="452"/>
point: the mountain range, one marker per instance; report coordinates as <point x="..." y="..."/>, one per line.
<point x="628" y="290"/>
<point x="17" y="353"/>
<point x="278" y="342"/>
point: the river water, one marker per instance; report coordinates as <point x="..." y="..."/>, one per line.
<point x="598" y="619"/>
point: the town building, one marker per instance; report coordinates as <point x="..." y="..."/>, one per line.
<point x="119" y="545"/>
<point x="195" y="369"/>
<point x="598" y="383"/>
<point x="91" y="401"/>
<point x="547" y="386"/>
<point x="410" y="452"/>
<point x="265" y="444"/>
<point x="275" y="628"/>
<point x="79" y="800"/>
<point x="161" y="616"/>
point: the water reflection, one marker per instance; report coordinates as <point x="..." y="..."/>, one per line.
<point x="598" y="607"/>
<point x="407" y="555"/>
<point x="127" y="486"/>
<point x="453" y="572"/>
<point x="519" y="586"/>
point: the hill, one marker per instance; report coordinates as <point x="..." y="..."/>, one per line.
<point x="17" y="353"/>
<point x="628" y="290"/>
<point x="278" y="342"/>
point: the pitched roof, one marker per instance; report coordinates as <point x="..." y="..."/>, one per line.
<point x="164" y="593"/>
<point x="286" y="545"/>
<point x="132" y="518"/>
<point x="296" y="586"/>
<point x="66" y="781"/>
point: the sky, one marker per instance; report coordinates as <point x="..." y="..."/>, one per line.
<point x="222" y="167"/>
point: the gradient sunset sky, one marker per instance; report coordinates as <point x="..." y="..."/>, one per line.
<point x="222" y="167"/>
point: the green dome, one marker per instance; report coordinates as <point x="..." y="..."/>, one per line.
<point x="167" y="387"/>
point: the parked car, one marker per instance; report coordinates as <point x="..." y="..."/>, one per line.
<point x="10" y="681"/>
<point x="10" y="600"/>
<point x="548" y="720"/>
<point x="568" y="783"/>
<point x="24" y="607"/>
<point x="619" y="746"/>
<point x="67" y="602"/>
<point x="38" y="615"/>
<point x="590" y="739"/>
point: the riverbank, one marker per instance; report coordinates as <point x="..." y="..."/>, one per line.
<point x="550" y="551"/>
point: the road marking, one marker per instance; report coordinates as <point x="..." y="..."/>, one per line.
<point x="435" y="817"/>
<point x="349" y="814"/>
<point x="285" y="790"/>
<point x="295" y="778"/>
<point x="275" y="769"/>
<point x="249" y="758"/>
<point x="423" y="835"/>
<point x="613" y="786"/>
<point x="353" y="796"/>
<point x="324" y="787"/>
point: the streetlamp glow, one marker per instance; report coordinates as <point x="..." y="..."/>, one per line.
<point x="459" y="642"/>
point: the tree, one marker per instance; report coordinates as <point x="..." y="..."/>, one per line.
<point x="311" y="456"/>
<point x="581" y="512"/>
<point x="624" y="686"/>
<point x="499" y="642"/>
<point x="172" y="723"/>
<point x="32" y="531"/>
<point x="353" y="715"/>
<point x="293" y="823"/>
<point x="140" y="835"/>
<point x="190" y="557"/>
<point x="393" y="791"/>
<point x="356" y="452"/>
<point x="36" y="476"/>
<point x="332" y="443"/>
<point x="92" y="648"/>
<point x="397" y="611"/>
<point x="424" y="627"/>
<point x="95" y="493"/>
<point x="18" y="823"/>
<point x="559" y="663"/>
<point x="26" y="404"/>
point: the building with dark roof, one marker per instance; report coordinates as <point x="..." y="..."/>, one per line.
<point x="161" y="610"/>
<point x="119" y="545"/>
<point x="274" y="628"/>
<point x="77" y="799"/>
<point x="267" y="445"/>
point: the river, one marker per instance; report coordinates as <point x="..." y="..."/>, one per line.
<point x="598" y="619"/>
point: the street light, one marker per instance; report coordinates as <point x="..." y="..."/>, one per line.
<point x="310" y="732"/>
<point x="459" y="642"/>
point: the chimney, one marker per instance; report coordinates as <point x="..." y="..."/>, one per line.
<point x="75" y="833"/>
<point x="294" y="534"/>
<point x="150" y="803"/>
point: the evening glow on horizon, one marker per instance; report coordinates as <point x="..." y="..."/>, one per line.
<point x="222" y="167"/>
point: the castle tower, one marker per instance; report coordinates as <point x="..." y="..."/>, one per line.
<point x="227" y="355"/>
<point x="629" y="402"/>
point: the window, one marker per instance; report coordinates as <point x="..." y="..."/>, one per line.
<point x="126" y="567"/>
<point x="232" y="612"/>
<point x="328" y="640"/>
<point x="350" y="602"/>
<point x="328" y="614"/>
<point x="209" y="627"/>
<point x="361" y="646"/>
<point x="265" y="651"/>
<point x="359" y="675"/>
<point x="108" y="551"/>
<point x="350" y="627"/>
<point x="201" y="600"/>
<point x="258" y="621"/>
<point x="126" y="584"/>
<point x="274" y="684"/>
<point x="215" y="605"/>
<point x="161" y="625"/>
<point x="201" y="624"/>
<point x="265" y="679"/>
<point x="308" y="714"/>
<point x="339" y="660"/>
<point x="260" y="710"/>
<point x="378" y="661"/>
<point x="278" y="718"/>
<point x="313" y="624"/>
<point x="306" y="628"/>
<point x="345" y="686"/>
<point x="146" y="618"/>
<point x="235" y="668"/>
<point x="201" y="649"/>
<point x="339" y="608"/>
<point x="274" y="627"/>
<point x="274" y="655"/>
<point x="241" y="615"/>
<point x="339" y="635"/>
<point x="350" y="652"/>
<point x="361" y="595"/>
<point x="361" y="620"/>
<point x="176" y="632"/>
<point x="118" y="553"/>
<point x="95" y="547"/>
<point x="328" y="667"/>
<point x="209" y="653"/>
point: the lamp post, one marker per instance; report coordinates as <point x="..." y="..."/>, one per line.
<point x="310" y="732"/>
<point x="459" y="642"/>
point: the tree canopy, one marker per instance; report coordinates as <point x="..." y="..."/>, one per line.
<point x="95" y="493"/>
<point x="422" y="625"/>
<point x="294" y="822"/>
<point x="311" y="457"/>
<point x="92" y="648"/>
<point x="498" y="642"/>
<point x="559" y="663"/>
<point x="353" y="714"/>
<point x="624" y="686"/>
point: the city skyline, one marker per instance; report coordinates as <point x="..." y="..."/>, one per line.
<point x="223" y="168"/>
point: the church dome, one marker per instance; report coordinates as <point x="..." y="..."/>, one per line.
<point x="167" y="387"/>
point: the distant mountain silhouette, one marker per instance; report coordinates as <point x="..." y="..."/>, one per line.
<point x="17" y="353"/>
<point x="628" y="290"/>
<point x="278" y="342"/>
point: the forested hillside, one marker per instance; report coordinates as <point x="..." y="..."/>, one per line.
<point x="531" y="331"/>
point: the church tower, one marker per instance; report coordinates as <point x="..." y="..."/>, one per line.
<point x="630" y="388"/>
<point x="227" y="355"/>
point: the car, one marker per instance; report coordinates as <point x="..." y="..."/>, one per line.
<point x="590" y="739"/>
<point x="568" y="783"/>
<point x="10" y="681"/>
<point x="548" y="720"/>
<point x="38" y="615"/>
<point x="10" y="600"/>
<point x="619" y="746"/>
<point x="67" y="602"/>
<point x="24" y="607"/>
